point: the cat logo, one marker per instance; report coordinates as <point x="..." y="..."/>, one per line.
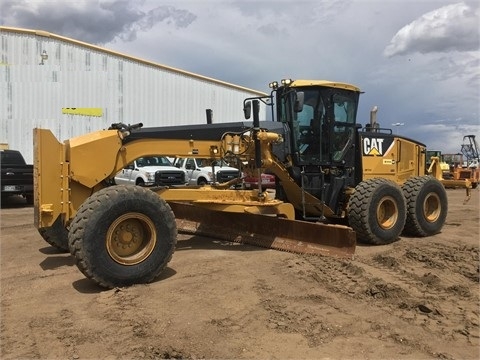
<point x="376" y="146"/>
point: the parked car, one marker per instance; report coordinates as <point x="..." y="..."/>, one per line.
<point x="267" y="181"/>
<point x="151" y="170"/>
<point x="17" y="175"/>
<point x="201" y="171"/>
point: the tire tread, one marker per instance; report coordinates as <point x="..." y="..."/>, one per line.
<point x="88" y="209"/>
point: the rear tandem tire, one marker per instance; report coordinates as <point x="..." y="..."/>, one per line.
<point x="377" y="211"/>
<point x="427" y="206"/>
<point x="123" y="235"/>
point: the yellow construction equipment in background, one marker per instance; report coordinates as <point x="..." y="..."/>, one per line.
<point x="451" y="169"/>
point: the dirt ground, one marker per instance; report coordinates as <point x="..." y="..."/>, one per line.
<point x="414" y="299"/>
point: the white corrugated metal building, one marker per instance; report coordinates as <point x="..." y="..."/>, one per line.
<point x="71" y="87"/>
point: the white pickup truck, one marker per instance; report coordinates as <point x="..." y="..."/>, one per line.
<point x="151" y="170"/>
<point x="200" y="171"/>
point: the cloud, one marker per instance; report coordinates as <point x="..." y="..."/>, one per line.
<point x="448" y="138"/>
<point x="96" y="22"/>
<point x="179" y="18"/>
<point x="252" y="43"/>
<point x="450" y="28"/>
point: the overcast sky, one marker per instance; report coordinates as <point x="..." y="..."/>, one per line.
<point x="417" y="60"/>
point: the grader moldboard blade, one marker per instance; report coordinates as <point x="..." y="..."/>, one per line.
<point x="266" y="231"/>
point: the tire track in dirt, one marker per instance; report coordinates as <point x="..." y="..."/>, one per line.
<point x="402" y="287"/>
<point x="244" y="302"/>
<point x="299" y="314"/>
<point x="122" y="305"/>
<point x="326" y="312"/>
<point x="17" y="342"/>
<point x="450" y="275"/>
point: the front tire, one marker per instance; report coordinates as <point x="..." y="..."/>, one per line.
<point x="56" y="235"/>
<point x="377" y="211"/>
<point x="123" y="235"/>
<point x="427" y="206"/>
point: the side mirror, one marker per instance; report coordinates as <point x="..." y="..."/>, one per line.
<point x="247" y="110"/>
<point x="300" y="98"/>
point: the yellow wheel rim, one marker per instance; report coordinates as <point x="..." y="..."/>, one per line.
<point x="131" y="238"/>
<point x="387" y="212"/>
<point x="432" y="207"/>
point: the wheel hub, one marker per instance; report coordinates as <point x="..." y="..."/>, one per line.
<point x="387" y="212"/>
<point x="131" y="238"/>
<point x="432" y="207"/>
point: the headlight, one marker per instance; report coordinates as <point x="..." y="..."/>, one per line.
<point x="273" y="85"/>
<point x="151" y="176"/>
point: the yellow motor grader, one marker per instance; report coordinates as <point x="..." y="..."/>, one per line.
<point x="336" y="182"/>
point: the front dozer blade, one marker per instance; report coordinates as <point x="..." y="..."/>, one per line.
<point x="266" y="231"/>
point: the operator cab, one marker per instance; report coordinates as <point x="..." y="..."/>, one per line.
<point x="321" y="118"/>
<point x="321" y="131"/>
